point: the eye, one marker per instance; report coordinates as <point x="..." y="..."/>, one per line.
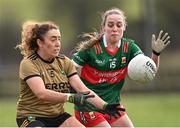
<point x="53" y="39"/>
<point x="119" y="25"/>
<point x="110" y="24"/>
<point x="59" y="39"/>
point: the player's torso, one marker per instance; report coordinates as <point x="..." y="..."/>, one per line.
<point x="54" y="78"/>
<point x="104" y="66"/>
<point x="53" y="74"/>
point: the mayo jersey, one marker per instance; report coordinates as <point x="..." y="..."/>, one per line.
<point x="104" y="71"/>
<point x="55" y="75"/>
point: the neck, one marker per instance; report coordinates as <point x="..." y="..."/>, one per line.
<point x="44" y="56"/>
<point x="111" y="45"/>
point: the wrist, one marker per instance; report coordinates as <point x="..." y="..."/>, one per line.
<point x="156" y="53"/>
<point x="104" y="106"/>
<point x="69" y="98"/>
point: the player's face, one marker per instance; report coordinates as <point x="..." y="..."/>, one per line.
<point x="50" y="46"/>
<point x="114" y="28"/>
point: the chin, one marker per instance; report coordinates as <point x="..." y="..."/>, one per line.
<point x="55" y="55"/>
<point x="115" y="40"/>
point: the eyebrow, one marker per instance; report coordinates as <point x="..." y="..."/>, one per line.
<point x="113" y="21"/>
<point x="55" y="37"/>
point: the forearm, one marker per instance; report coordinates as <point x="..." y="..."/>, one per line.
<point x="97" y="101"/>
<point x="52" y="96"/>
<point x="158" y="45"/>
<point x="156" y="59"/>
<point x="37" y="86"/>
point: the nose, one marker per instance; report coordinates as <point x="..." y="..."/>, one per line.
<point x="58" y="43"/>
<point x="115" y="28"/>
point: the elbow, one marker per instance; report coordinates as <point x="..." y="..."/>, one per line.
<point x="41" y="95"/>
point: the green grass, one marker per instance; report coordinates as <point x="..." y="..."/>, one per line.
<point x="154" y="110"/>
<point x="145" y="110"/>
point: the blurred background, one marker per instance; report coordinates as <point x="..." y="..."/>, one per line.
<point x="75" y="17"/>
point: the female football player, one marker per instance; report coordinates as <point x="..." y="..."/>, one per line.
<point x="103" y="58"/>
<point x="45" y="79"/>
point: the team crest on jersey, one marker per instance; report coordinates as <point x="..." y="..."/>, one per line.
<point x="123" y="60"/>
<point x="92" y="116"/>
<point x="62" y="72"/>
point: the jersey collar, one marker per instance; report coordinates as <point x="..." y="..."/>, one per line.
<point x="105" y="42"/>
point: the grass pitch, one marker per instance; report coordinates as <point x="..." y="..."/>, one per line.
<point x="145" y="110"/>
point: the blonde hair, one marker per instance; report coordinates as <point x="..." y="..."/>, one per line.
<point x="93" y="38"/>
<point x="31" y="31"/>
<point x="113" y="11"/>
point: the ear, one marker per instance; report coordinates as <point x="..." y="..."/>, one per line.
<point x="124" y="28"/>
<point x="39" y="42"/>
<point x="102" y="29"/>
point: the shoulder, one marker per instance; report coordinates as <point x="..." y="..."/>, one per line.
<point x="128" y="40"/>
<point x="29" y="61"/>
<point x="30" y="58"/>
<point x="62" y="57"/>
<point x="33" y="56"/>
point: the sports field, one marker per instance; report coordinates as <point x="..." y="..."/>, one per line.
<point x="145" y="110"/>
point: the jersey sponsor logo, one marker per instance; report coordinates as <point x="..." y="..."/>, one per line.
<point x="95" y="76"/>
<point x="59" y="87"/>
<point x="78" y="58"/>
<point x="100" y="61"/>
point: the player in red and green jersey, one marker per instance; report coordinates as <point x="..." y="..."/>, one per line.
<point x="103" y="59"/>
<point x="106" y="70"/>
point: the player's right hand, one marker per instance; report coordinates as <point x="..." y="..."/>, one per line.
<point x="80" y="98"/>
<point x="113" y="110"/>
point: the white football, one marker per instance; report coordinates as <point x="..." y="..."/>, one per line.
<point x="142" y="69"/>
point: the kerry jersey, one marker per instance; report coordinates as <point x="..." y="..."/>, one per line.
<point x="103" y="71"/>
<point x="55" y="76"/>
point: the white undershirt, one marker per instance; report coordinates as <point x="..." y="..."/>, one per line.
<point x="105" y="42"/>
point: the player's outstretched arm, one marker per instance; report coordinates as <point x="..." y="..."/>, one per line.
<point x="159" y="44"/>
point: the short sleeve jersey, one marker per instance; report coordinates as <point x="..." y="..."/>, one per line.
<point x="55" y="76"/>
<point x="104" y="72"/>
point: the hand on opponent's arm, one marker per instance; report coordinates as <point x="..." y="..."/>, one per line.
<point x="79" y="98"/>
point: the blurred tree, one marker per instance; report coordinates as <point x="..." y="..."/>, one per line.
<point x="77" y="16"/>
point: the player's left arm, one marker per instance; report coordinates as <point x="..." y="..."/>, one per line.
<point x="158" y="45"/>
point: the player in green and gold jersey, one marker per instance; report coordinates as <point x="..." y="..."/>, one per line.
<point x="104" y="58"/>
<point x="45" y="80"/>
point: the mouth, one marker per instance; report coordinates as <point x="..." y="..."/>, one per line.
<point x="56" y="50"/>
<point x="114" y="35"/>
